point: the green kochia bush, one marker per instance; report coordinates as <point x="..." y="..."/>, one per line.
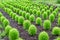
<point x="2" y="18"/>
<point x="7" y="29"/>
<point x="13" y="15"/>
<point x="56" y="31"/>
<point x="59" y="21"/>
<point x="43" y="36"/>
<point x="32" y="18"/>
<point x="26" y="24"/>
<point x="6" y="22"/>
<point x="47" y="25"/>
<point x="58" y="38"/>
<point x="16" y="18"/>
<point x="23" y="13"/>
<point x="59" y="15"/>
<point x="39" y="21"/>
<point x="20" y="20"/>
<point x="55" y="13"/>
<point x="32" y="30"/>
<point x="38" y="13"/>
<point x="44" y="15"/>
<point x="27" y="15"/>
<point x="34" y="11"/>
<point x="51" y="17"/>
<point x="1" y="14"/>
<point x="13" y="34"/>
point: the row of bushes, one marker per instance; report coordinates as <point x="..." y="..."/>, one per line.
<point x="12" y="33"/>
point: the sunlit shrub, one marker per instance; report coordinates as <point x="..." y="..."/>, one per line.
<point x="51" y="17"/>
<point x="16" y="18"/>
<point x="6" y="22"/>
<point x="20" y="20"/>
<point x="43" y="36"/>
<point x="58" y="38"/>
<point x="13" y="34"/>
<point x="47" y="25"/>
<point x="39" y="21"/>
<point x="2" y="18"/>
<point x="32" y="30"/>
<point x="27" y="15"/>
<point x="44" y="15"/>
<point x="38" y="14"/>
<point x="56" y="31"/>
<point x="7" y="29"/>
<point x="32" y="18"/>
<point x="26" y="24"/>
<point x="59" y="21"/>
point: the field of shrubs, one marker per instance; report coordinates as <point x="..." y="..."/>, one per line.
<point x="26" y="20"/>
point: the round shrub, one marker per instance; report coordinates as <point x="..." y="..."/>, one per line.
<point x="7" y="29"/>
<point x="10" y="14"/>
<point x="1" y="14"/>
<point x="13" y="15"/>
<point x="55" y="13"/>
<point x="56" y="31"/>
<point x="2" y="18"/>
<point x="16" y="18"/>
<point x="51" y="17"/>
<point x="47" y="25"/>
<point x="20" y="20"/>
<point x="20" y="12"/>
<point x="34" y="12"/>
<point x="39" y="21"/>
<point x="13" y="34"/>
<point x="38" y="13"/>
<point x="6" y="22"/>
<point x="26" y="24"/>
<point x="44" y="15"/>
<point x="43" y="36"/>
<point x="48" y="12"/>
<point x="32" y="18"/>
<point x="30" y="11"/>
<point x="32" y="30"/>
<point x="59" y="15"/>
<point x="23" y="13"/>
<point x="59" y="21"/>
<point x="58" y="38"/>
<point x="27" y="15"/>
